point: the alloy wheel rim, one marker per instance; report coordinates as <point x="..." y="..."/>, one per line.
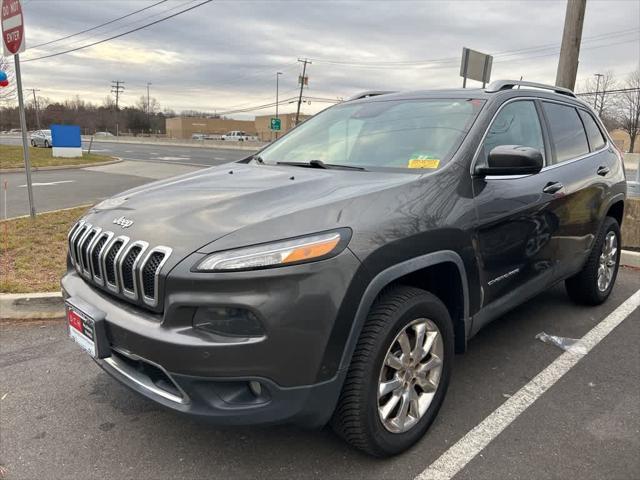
<point x="410" y="375"/>
<point x="607" y="261"/>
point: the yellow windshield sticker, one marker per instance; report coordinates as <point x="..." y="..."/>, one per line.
<point x="423" y="161"/>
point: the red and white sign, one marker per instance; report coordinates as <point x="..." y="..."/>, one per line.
<point x="12" y="27"/>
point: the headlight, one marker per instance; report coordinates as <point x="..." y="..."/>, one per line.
<point x="298" y="250"/>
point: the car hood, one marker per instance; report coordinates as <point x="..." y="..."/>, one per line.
<point x="189" y="212"/>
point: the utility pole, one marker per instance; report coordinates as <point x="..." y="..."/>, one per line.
<point x="302" y="81"/>
<point x="35" y="102"/>
<point x="570" y="49"/>
<point x="598" y="76"/>
<point x="277" y="95"/>
<point x="148" y="107"/>
<point x="117" y="87"/>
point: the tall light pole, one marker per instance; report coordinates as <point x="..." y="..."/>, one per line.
<point x="598" y="76"/>
<point x="277" y="95"/>
<point x="148" y="107"/>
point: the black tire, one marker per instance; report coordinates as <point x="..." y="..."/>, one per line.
<point x="583" y="287"/>
<point x="33" y="143"/>
<point x="46" y="144"/>
<point x="356" y="417"/>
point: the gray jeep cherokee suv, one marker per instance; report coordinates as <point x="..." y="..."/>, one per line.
<point x="332" y="276"/>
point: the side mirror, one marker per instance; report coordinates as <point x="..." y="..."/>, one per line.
<point x="512" y="160"/>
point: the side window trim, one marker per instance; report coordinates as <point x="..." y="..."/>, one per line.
<point x="549" y="153"/>
<point x="584" y="128"/>
<point x="476" y="155"/>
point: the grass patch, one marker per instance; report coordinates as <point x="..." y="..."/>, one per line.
<point x="33" y="252"/>
<point x="11" y="157"/>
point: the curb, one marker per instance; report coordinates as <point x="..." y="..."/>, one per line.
<point x="62" y="167"/>
<point x="86" y="205"/>
<point x="629" y="258"/>
<point x="29" y="306"/>
<point x="178" y="143"/>
<point x="38" y="306"/>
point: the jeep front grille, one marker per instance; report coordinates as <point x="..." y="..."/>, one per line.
<point x="122" y="266"/>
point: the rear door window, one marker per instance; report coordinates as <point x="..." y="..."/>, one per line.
<point x="516" y="124"/>
<point x="567" y="133"/>
<point x="594" y="134"/>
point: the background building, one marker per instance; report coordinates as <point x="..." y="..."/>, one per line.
<point x="287" y="122"/>
<point x="184" y="127"/>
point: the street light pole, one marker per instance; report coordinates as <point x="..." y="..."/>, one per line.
<point x="277" y="95"/>
<point x="595" y="102"/>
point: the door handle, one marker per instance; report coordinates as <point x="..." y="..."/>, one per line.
<point x="603" y="171"/>
<point x="553" y="187"/>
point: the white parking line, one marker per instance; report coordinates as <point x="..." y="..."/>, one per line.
<point x="47" y="184"/>
<point x="465" y="449"/>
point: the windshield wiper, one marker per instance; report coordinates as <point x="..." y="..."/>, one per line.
<point x="258" y="159"/>
<point x="321" y="164"/>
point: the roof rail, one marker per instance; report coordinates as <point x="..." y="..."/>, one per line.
<point x="499" y="85"/>
<point x="369" y="93"/>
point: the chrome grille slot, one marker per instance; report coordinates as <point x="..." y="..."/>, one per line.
<point x="75" y="239"/>
<point x="149" y="272"/>
<point x="110" y="262"/>
<point x="84" y="250"/>
<point x="130" y="259"/>
<point x="95" y="253"/>
<point x="70" y="240"/>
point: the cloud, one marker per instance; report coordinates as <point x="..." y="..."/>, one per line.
<point x="226" y="54"/>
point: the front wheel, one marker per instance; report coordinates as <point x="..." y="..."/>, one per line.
<point x="593" y="284"/>
<point x="399" y="373"/>
<point x="46" y="144"/>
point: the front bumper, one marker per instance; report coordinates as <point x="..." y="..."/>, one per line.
<point x="163" y="357"/>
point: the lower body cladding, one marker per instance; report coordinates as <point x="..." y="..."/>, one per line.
<point x="262" y="365"/>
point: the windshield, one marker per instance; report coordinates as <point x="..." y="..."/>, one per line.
<point x="380" y="134"/>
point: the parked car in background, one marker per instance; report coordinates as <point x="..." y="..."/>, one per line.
<point x="237" y="136"/>
<point x="41" y="138"/>
<point x="333" y="275"/>
<point x="198" y="136"/>
<point x="103" y="134"/>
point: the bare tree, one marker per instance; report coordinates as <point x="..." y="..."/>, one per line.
<point x="630" y="108"/>
<point x="154" y="105"/>
<point x="599" y="89"/>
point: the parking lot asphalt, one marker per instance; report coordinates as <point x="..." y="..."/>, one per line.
<point x="61" y="416"/>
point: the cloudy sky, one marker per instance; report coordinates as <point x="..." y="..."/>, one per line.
<point x="223" y="55"/>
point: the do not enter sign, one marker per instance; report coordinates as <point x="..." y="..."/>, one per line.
<point x="12" y="27"/>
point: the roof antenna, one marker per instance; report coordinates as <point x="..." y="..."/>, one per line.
<point x="520" y="80"/>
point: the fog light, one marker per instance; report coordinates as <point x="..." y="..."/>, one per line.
<point x="227" y="321"/>
<point x="255" y="387"/>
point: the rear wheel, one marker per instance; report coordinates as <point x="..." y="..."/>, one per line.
<point x="46" y="144"/>
<point x="33" y="143"/>
<point x="593" y="284"/>
<point x="399" y="373"/>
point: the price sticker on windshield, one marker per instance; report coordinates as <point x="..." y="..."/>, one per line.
<point x="423" y="161"/>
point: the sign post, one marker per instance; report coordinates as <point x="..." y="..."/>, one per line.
<point x="14" y="43"/>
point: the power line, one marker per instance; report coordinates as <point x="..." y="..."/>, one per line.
<point x="120" y="34"/>
<point x="98" y="26"/>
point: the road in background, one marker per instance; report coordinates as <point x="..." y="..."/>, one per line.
<point x="63" y="417"/>
<point x="196" y="156"/>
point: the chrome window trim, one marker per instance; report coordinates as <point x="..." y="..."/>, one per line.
<point x="70" y="236"/>
<point x="114" y="287"/>
<point x="153" y="302"/>
<point x="547" y="166"/>
<point x="100" y="280"/>
<point x="80" y="241"/>
<point x="132" y="294"/>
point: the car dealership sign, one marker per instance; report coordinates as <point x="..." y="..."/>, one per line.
<point x="12" y="27"/>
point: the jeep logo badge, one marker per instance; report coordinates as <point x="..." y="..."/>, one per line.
<point x="124" y="222"/>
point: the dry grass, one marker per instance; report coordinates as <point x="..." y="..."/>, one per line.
<point x="33" y="252"/>
<point x="11" y="157"/>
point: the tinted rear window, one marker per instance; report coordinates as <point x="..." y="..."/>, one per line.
<point x="596" y="139"/>
<point x="567" y="132"/>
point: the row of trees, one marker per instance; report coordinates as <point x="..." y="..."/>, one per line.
<point x="40" y="112"/>
<point x="617" y="102"/>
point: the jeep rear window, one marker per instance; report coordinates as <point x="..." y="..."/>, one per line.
<point x="420" y="134"/>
